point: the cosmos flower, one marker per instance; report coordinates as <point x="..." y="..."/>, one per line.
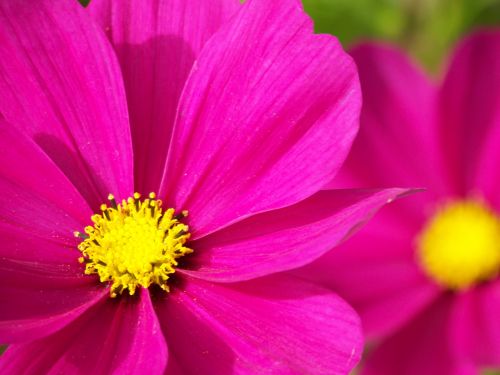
<point x="424" y="274"/>
<point x="161" y="163"/>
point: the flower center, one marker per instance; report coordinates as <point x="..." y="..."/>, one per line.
<point x="460" y="245"/>
<point x="134" y="243"/>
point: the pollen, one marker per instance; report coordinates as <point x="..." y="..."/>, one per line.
<point x="135" y="243"/>
<point x="459" y="246"/>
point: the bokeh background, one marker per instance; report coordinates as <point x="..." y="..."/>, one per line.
<point x="427" y="29"/>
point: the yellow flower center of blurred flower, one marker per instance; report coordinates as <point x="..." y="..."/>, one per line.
<point x="134" y="243"/>
<point x="460" y="245"/>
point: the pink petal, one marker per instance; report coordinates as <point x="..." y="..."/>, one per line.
<point x="42" y="286"/>
<point x="269" y="325"/>
<point x="399" y="109"/>
<point x="476" y="325"/>
<point x="38" y="300"/>
<point x="422" y="347"/>
<point x="39" y="207"/>
<point x="194" y="346"/>
<point x="266" y="118"/>
<point x="60" y="84"/>
<point x="119" y="337"/>
<point x="157" y="43"/>
<point x="285" y="238"/>
<point x="470" y="114"/>
<point x="376" y="272"/>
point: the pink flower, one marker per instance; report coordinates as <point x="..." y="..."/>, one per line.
<point x="424" y="274"/>
<point x="237" y="114"/>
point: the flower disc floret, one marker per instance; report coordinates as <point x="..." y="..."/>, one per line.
<point x="134" y="243"/>
<point x="460" y="245"/>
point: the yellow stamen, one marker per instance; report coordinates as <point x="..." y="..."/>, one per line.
<point x="134" y="243"/>
<point x="460" y="245"/>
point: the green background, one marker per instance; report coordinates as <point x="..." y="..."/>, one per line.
<point x="427" y="29"/>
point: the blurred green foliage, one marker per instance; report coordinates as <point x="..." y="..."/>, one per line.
<point x="425" y="28"/>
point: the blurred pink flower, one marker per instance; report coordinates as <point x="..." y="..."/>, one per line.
<point x="424" y="274"/>
<point x="236" y="113"/>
